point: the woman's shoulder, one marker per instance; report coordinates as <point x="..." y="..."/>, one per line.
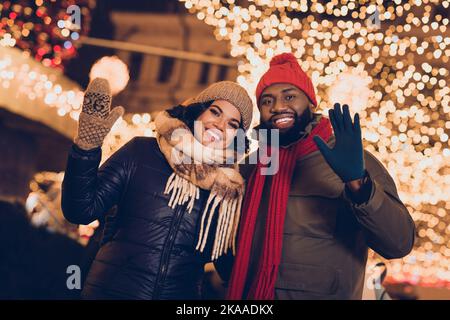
<point x="145" y="149"/>
<point x="149" y="142"/>
<point x="143" y="145"/>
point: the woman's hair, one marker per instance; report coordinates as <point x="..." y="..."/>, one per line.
<point x="188" y="114"/>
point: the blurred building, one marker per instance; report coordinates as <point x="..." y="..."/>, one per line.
<point x="158" y="81"/>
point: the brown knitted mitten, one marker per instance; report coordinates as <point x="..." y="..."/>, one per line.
<point x="96" y="117"/>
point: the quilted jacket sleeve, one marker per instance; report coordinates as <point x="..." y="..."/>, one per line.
<point x="387" y="224"/>
<point x="89" y="192"/>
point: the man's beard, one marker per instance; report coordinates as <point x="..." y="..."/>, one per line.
<point x="295" y="132"/>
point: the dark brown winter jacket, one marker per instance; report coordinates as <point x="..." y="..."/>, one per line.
<point x="327" y="234"/>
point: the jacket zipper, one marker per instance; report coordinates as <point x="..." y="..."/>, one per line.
<point x="167" y="250"/>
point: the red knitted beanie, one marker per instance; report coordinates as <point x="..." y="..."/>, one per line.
<point x="284" y="68"/>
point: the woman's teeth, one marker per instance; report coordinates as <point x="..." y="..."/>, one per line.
<point x="213" y="135"/>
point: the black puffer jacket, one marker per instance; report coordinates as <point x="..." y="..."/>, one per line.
<point x="152" y="252"/>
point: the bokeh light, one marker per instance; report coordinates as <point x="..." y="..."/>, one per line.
<point x="389" y="62"/>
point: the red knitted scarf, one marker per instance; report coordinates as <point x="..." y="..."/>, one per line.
<point x="262" y="287"/>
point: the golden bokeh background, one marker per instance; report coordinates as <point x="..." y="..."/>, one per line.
<point x="389" y="61"/>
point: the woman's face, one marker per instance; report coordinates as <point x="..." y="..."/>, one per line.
<point x="217" y="126"/>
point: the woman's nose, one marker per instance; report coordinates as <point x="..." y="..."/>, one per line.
<point x="221" y="124"/>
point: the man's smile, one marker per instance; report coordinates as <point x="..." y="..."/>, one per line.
<point x="283" y="121"/>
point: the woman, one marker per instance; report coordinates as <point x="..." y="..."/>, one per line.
<point x="178" y="200"/>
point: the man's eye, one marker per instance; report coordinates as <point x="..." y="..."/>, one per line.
<point x="267" y="101"/>
<point x="289" y="98"/>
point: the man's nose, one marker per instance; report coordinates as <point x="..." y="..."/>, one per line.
<point x="278" y="107"/>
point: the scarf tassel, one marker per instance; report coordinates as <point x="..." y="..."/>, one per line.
<point x="182" y="191"/>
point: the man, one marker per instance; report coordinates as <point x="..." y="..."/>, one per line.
<point x="305" y="231"/>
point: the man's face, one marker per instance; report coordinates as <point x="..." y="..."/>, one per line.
<point x="282" y="106"/>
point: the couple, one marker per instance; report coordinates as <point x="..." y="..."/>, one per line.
<point x="301" y="233"/>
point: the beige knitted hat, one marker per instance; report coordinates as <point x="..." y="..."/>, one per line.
<point x="234" y="94"/>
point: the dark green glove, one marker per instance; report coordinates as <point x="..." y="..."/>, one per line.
<point x="346" y="158"/>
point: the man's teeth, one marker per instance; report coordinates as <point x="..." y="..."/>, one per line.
<point x="283" y="120"/>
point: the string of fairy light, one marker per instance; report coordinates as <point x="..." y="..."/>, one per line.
<point x="388" y="61"/>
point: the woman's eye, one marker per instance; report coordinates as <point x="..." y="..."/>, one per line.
<point x="234" y="125"/>
<point x="214" y="112"/>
